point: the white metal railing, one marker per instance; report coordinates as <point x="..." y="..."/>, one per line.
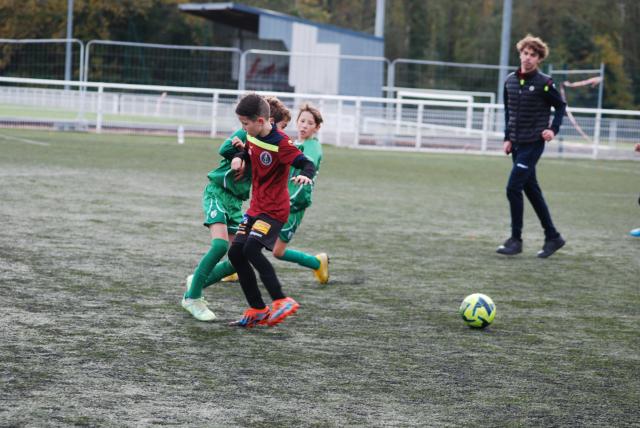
<point x="349" y="120"/>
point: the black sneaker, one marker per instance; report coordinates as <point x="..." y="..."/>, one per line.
<point x="511" y="247"/>
<point x="551" y="246"/>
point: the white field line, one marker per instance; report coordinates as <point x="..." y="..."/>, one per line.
<point x="24" y="140"/>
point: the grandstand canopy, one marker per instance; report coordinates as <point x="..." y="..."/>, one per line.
<point x="317" y="63"/>
<point x="248" y="18"/>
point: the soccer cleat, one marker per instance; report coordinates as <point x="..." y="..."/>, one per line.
<point x="231" y="278"/>
<point x="282" y="308"/>
<point x="322" y="273"/>
<point x="511" y="247"/>
<point x="551" y="246"/>
<point x="635" y="232"/>
<point x="252" y="317"/>
<point x="198" y="308"/>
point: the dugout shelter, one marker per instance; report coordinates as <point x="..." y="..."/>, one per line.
<point x="325" y="71"/>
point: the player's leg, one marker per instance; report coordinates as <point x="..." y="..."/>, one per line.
<point x="233" y="210"/>
<point x="258" y="312"/>
<point x="217" y="250"/>
<point x="552" y="241"/>
<point x="515" y="185"/>
<point x="318" y="263"/>
<point x="535" y="196"/>
<point x="215" y="221"/>
<point x="264" y="234"/>
<point x="238" y="259"/>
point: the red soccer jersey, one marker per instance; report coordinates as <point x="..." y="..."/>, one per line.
<point x="270" y="158"/>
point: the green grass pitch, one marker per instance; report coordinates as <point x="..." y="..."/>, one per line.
<point x="98" y="232"/>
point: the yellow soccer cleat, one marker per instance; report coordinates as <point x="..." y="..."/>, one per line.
<point x="231" y="278"/>
<point x="322" y="273"/>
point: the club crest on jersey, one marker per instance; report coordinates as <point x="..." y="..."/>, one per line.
<point x="265" y="158"/>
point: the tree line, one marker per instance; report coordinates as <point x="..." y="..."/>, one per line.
<point x="580" y="33"/>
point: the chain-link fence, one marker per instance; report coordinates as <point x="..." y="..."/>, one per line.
<point x="40" y="58"/>
<point x="156" y="64"/>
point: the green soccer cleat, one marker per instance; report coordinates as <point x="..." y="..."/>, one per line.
<point x="198" y="308"/>
<point x="322" y="273"/>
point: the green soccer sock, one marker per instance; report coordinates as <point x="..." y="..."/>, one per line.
<point x="303" y="259"/>
<point x="217" y="250"/>
<point x="221" y="270"/>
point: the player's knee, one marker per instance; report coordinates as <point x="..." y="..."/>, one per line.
<point x="236" y="253"/>
<point x="252" y="249"/>
<point x="278" y="253"/>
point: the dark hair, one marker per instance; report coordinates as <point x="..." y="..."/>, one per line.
<point x="253" y="106"/>
<point x="314" y="112"/>
<point x="278" y="111"/>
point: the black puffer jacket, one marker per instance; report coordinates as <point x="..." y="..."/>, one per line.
<point x="527" y="105"/>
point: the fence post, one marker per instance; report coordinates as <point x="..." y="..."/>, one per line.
<point x="469" y="123"/>
<point x="419" y="126"/>
<point x="99" y="110"/>
<point x="214" y="115"/>
<point x="596" y="133"/>
<point x="338" y="122"/>
<point x="242" y="73"/>
<point x="356" y="139"/>
<point x="485" y="126"/>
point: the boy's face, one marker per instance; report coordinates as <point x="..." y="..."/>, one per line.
<point x="253" y="127"/>
<point x="306" y="125"/>
<point x="282" y="124"/>
<point x="529" y="60"/>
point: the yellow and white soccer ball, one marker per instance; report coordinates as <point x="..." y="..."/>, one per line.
<point x="477" y="310"/>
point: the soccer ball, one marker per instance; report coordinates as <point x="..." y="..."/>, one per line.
<point x="477" y="310"/>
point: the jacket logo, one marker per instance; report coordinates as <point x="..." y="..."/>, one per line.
<point x="265" y="158"/>
<point x="531" y="88"/>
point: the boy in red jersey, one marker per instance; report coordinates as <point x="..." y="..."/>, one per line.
<point x="270" y="153"/>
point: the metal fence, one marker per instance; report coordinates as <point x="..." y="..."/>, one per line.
<point x="40" y="58"/>
<point x="158" y="64"/>
<point x="231" y="68"/>
<point x="358" y="122"/>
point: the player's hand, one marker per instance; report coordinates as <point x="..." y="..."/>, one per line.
<point x="238" y="165"/>
<point x="237" y="143"/>
<point x="548" y="135"/>
<point x="301" y="179"/>
<point x="637" y="148"/>
<point x="506" y="146"/>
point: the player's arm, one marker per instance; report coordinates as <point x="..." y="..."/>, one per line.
<point x="233" y="144"/>
<point x="506" y="144"/>
<point x="307" y="170"/>
<point x="239" y="162"/>
<point x="553" y="97"/>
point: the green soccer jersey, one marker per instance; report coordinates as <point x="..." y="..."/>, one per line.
<point x="300" y="195"/>
<point x="224" y="177"/>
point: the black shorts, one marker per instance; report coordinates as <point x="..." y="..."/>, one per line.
<point x="262" y="228"/>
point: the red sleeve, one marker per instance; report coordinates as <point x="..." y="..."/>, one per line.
<point x="287" y="151"/>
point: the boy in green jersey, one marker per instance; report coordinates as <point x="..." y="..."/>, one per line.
<point x="222" y="204"/>
<point x="308" y="123"/>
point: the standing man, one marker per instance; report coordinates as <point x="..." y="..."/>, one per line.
<point x="528" y="97"/>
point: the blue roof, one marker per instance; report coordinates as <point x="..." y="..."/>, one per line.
<point x="231" y="13"/>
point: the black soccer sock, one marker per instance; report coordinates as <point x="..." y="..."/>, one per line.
<point x="253" y="253"/>
<point x="247" y="277"/>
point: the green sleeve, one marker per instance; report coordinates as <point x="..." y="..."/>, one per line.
<point x="313" y="151"/>
<point x="226" y="149"/>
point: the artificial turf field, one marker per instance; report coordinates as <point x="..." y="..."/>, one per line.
<point x="98" y="232"/>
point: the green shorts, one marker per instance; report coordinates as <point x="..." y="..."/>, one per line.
<point x="221" y="206"/>
<point x="290" y="227"/>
